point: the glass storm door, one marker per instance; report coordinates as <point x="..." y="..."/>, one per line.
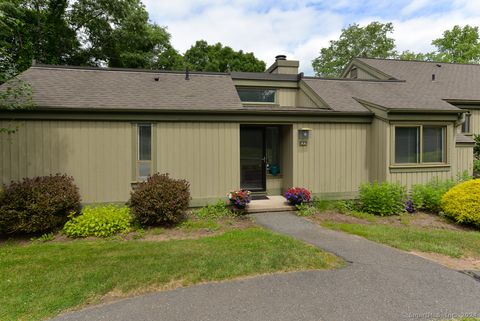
<point x="252" y="158"/>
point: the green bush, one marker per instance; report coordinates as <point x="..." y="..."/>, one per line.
<point x="382" y="198"/>
<point x="39" y="204"/>
<point x="428" y="196"/>
<point x="476" y="165"/>
<point x="462" y="202"/>
<point x="305" y="209"/>
<point x="100" y="221"/>
<point x="214" y="211"/>
<point x="476" y="148"/>
<point x="160" y="200"/>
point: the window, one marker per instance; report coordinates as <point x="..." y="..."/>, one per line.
<point x="272" y="144"/>
<point x="144" y="152"/>
<point x="256" y="95"/>
<point x="466" y="125"/>
<point x="420" y="144"/>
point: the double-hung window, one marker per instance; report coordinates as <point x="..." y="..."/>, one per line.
<point x="422" y="144"/>
<point x="144" y="151"/>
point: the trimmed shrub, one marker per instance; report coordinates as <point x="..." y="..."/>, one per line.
<point x="160" y="200"/>
<point x="39" y="204"/>
<point x="428" y="197"/>
<point x="383" y="198"/>
<point x="462" y="202"/>
<point x="100" y="221"/>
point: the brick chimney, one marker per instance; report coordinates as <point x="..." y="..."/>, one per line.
<point x="283" y="66"/>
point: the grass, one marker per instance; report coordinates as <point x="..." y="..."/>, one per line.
<point x="195" y="225"/>
<point x="452" y="243"/>
<point x="40" y="280"/>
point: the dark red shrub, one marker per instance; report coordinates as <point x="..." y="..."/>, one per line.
<point x="160" y="200"/>
<point x="38" y="204"/>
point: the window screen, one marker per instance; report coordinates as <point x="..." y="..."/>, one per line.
<point x="144" y="153"/>
<point x="144" y="142"/>
<point x="433" y="144"/>
<point x="407" y="145"/>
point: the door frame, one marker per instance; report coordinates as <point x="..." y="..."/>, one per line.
<point x="264" y="159"/>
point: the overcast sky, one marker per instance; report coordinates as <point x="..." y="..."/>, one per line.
<point x="300" y="28"/>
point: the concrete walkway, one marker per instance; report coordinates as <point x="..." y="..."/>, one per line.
<point x="379" y="284"/>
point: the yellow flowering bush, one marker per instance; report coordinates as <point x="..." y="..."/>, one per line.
<point x="462" y="202"/>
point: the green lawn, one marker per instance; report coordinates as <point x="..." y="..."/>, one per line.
<point x="452" y="243"/>
<point x="39" y="280"/>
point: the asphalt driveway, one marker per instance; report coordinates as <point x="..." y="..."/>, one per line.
<point x="379" y="283"/>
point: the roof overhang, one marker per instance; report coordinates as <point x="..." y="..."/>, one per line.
<point x="240" y="115"/>
<point x="411" y="114"/>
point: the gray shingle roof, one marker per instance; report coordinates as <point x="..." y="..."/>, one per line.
<point x="416" y="91"/>
<point x="452" y="81"/>
<point x="343" y="95"/>
<point x="55" y="87"/>
<point x="121" y="89"/>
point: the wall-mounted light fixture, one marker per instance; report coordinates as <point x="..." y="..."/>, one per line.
<point x="303" y="135"/>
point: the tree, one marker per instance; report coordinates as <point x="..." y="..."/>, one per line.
<point x="219" y="58"/>
<point x="371" y="41"/>
<point x="117" y="33"/>
<point x="15" y="43"/>
<point x="459" y="45"/>
<point x="410" y="55"/>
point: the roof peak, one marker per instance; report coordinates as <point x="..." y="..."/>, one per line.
<point x="355" y="79"/>
<point x="416" y="60"/>
<point x="139" y="70"/>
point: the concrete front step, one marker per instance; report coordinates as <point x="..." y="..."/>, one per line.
<point x="275" y="203"/>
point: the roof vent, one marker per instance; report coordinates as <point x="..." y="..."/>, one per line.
<point x="156" y="78"/>
<point x="280" y="57"/>
<point x="433" y="77"/>
<point x="187" y="74"/>
<point x="438" y="65"/>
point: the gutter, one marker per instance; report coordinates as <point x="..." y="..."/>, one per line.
<point x="313" y="112"/>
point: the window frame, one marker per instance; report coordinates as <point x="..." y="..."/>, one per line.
<point x="275" y="96"/>
<point x="136" y="152"/>
<point x="468" y="119"/>
<point x="421" y="163"/>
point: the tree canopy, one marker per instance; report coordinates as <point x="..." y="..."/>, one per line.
<point x="458" y="45"/>
<point x="113" y="33"/>
<point x="372" y="40"/>
<point x="204" y="57"/>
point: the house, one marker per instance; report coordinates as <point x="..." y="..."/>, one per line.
<point x="384" y="120"/>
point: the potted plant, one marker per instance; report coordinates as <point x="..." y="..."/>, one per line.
<point x="239" y="199"/>
<point x="297" y="195"/>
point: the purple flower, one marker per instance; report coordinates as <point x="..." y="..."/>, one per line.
<point x="409" y="207"/>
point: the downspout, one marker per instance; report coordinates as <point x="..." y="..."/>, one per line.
<point x="461" y="119"/>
